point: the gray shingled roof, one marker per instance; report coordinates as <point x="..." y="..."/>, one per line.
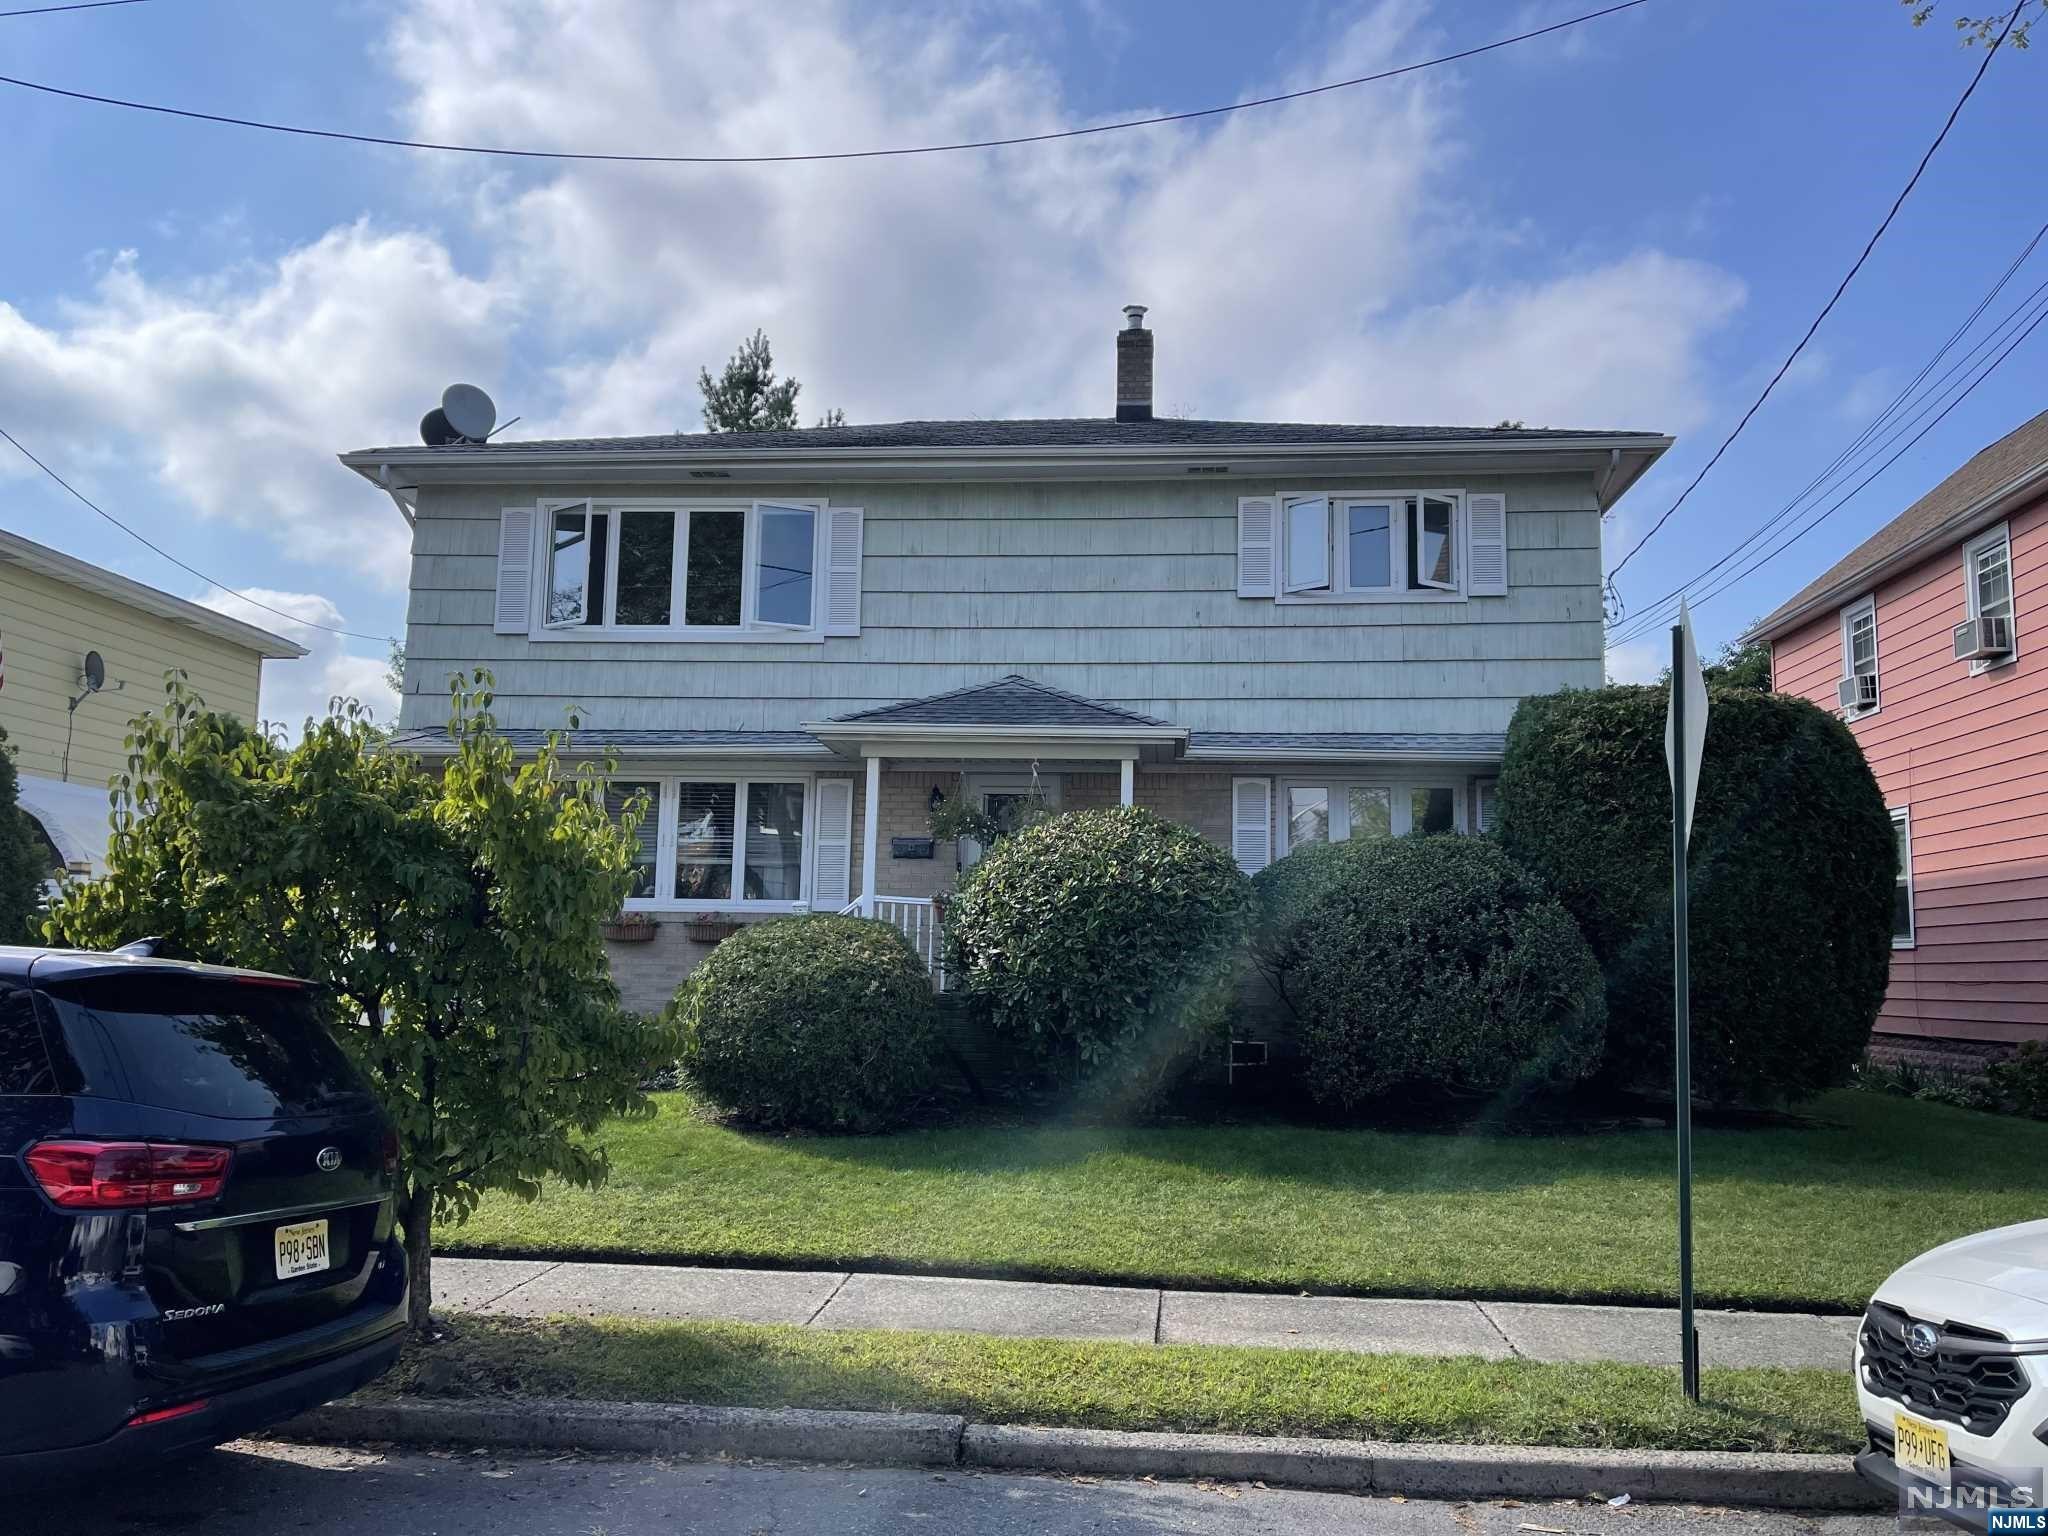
<point x="1053" y="432"/>
<point x="436" y="739"/>
<point x="1449" y="743"/>
<point x="2022" y="449"/>
<point x="1012" y="700"/>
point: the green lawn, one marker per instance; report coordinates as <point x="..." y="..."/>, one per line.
<point x="1815" y="1215"/>
<point x="1128" y="1386"/>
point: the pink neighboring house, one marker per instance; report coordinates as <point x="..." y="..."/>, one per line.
<point x="1931" y="640"/>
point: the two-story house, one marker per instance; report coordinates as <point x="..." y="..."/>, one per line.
<point x="801" y="641"/>
<point x="1928" y="637"/>
<point x="84" y="650"/>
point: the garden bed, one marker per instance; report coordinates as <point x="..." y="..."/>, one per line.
<point x="1804" y="1216"/>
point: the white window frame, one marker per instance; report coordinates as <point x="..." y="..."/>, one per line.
<point x="668" y="798"/>
<point x="1999" y="537"/>
<point x="1338" y="587"/>
<point x="1902" y="818"/>
<point x="1862" y="608"/>
<point x="1400" y="788"/>
<point x="751" y="628"/>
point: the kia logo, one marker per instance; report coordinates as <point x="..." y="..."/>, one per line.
<point x="330" y="1159"/>
<point x="1923" y="1340"/>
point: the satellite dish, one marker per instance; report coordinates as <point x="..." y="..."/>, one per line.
<point x="95" y="672"/>
<point x="469" y="411"/>
<point x="435" y="430"/>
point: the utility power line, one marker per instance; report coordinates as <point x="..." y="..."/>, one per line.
<point x="2033" y="310"/>
<point x="78" y="5"/>
<point x="180" y="564"/>
<point x="1879" y="424"/>
<point x="1834" y="298"/>
<point x="838" y="154"/>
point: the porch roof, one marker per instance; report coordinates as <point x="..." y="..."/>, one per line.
<point x="1012" y="716"/>
<point x="1340" y="746"/>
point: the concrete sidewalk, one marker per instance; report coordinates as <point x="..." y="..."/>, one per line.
<point x="1496" y="1330"/>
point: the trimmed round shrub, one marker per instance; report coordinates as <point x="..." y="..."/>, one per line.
<point x="819" y="1023"/>
<point x="1792" y="866"/>
<point x="1435" y="962"/>
<point x="1105" y="943"/>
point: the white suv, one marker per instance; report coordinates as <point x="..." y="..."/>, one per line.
<point x="1952" y="1369"/>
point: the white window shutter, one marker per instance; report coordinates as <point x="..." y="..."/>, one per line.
<point x="1486" y="544"/>
<point x="832" y="866"/>
<point x="842" y="571"/>
<point x="515" y="571"/>
<point x="1251" y="823"/>
<point x="1258" y="545"/>
<point x="1485" y="792"/>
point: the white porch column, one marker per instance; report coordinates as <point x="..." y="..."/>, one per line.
<point x="1130" y="779"/>
<point x="870" y="831"/>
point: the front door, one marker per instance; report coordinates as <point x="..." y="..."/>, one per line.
<point x="1005" y="800"/>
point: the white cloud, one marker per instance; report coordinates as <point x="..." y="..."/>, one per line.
<point x="237" y="393"/>
<point x="302" y="687"/>
<point x="1339" y="258"/>
<point x="1637" y="661"/>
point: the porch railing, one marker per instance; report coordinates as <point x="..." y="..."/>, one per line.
<point x="917" y="920"/>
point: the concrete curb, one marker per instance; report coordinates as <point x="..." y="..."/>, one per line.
<point x="933" y="1439"/>
<point x="648" y="1429"/>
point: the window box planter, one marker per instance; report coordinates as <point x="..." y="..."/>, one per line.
<point x="713" y="929"/>
<point x="629" y="928"/>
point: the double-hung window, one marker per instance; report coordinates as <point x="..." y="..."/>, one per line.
<point x="1385" y="544"/>
<point x="1902" y="891"/>
<point x="718" y="842"/>
<point x="1858" y="693"/>
<point x="716" y="568"/>
<point x="1324" y="811"/>
<point x="1987" y="586"/>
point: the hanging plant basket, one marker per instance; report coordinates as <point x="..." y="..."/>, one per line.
<point x="714" y="928"/>
<point x="630" y="928"/>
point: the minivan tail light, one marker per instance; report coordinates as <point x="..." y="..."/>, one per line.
<point x="127" y="1175"/>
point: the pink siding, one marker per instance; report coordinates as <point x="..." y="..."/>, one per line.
<point x="1969" y="757"/>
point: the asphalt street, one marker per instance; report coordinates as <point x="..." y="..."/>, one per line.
<point x="260" y="1489"/>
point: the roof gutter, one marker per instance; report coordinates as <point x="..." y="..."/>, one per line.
<point x="375" y="464"/>
<point x="1985" y="510"/>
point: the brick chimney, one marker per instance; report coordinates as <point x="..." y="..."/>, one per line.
<point x="1134" y="367"/>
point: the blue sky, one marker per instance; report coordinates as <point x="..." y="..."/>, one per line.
<point x="1622" y="226"/>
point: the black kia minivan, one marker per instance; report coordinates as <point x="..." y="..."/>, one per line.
<point x="197" y="1210"/>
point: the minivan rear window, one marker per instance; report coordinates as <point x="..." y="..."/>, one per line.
<point x="240" y="1050"/>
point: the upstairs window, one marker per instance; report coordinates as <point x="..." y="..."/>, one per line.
<point x="721" y="567"/>
<point x="1337" y="546"/>
<point x="1858" y="692"/>
<point x="1987" y="583"/>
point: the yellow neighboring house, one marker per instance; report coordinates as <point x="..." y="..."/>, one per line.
<point x="56" y="614"/>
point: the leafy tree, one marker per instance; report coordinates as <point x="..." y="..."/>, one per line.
<point x="394" y="669"/>
<point x="1973" y="30"/>
<point x="21" y="871"/>
<point x="833" y="418"/>
<point x="747" y="397"/>
<point x="1746" y="667"/>
<point x="450" y="913"/>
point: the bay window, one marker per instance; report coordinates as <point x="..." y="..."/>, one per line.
<point x="1371" y="810"/>
<point x="719" y="567"/>
<point x="1400" y="543"/>
<point x="718" y="842"/>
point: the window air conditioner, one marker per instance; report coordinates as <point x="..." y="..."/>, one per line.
<point x="1982" y="638"/>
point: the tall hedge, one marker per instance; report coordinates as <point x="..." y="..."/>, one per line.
<point x="1792" y="869"/>
<point x="1105" y="942"/>
<point x="21" y="871"/>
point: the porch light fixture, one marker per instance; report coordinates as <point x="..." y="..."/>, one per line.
<point x="938" y="797"/>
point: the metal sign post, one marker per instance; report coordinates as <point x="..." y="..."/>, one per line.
<point x="1685" y="735"/>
